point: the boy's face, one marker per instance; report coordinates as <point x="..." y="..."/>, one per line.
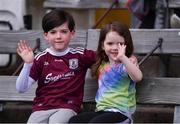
<point x="59" y="37"/>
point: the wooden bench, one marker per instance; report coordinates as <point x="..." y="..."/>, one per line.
<point x="157" y="89"/>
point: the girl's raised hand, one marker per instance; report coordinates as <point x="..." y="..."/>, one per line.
<point x="25" y="52"/>
<point x="121" y="51"/>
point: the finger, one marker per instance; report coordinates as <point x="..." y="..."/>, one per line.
<point x="18" y="51"/>
<point x="124" y="46"/>
<point x="24" y="44"/>
<point x="29" y="49"/>
<point x="119" y="46"/>
<point x="19" y="46"/>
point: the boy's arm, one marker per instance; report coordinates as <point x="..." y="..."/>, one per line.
<point x="23" y="81"/>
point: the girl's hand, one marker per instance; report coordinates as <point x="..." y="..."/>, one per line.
<point x="121" y="51"/>
<point x="134" y="60"/>
<point x="25" y="52"/>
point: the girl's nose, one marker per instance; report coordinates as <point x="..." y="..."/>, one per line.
<point x="115" y="46"/>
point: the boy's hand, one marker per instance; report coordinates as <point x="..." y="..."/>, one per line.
<point x="25" y="52"/>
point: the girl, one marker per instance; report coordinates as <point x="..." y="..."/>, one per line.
<point x="117" y="71"/>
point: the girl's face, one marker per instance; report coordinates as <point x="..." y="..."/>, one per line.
<point x="59" y="37"/>
<point x="111" y="45"/>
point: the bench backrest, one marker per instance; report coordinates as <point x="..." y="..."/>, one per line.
<point x="9" y="39"/>
<point x="151" y="90"/>
<point x="145" y="39"/>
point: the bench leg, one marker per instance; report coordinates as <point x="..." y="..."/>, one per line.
<point x="1" y="107"/>
<point x="176" y="114"/>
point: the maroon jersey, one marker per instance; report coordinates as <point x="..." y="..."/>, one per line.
<point x="61" y="78"/>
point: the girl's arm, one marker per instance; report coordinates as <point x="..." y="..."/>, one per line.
<point x="132" y="68"/>
<point x="131" y="64"/>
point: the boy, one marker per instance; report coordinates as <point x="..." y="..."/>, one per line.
<point x="59" y="71"/>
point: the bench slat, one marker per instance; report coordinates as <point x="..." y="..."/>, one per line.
<point x="90" y="88"/>
<point x="149" y="91"/>
<point x="144" y="40"/>
<point x="159" y="91"/>
<point x="9" y="39"/>
<point x="176" y="115"/>
<point x="81" y="4"/>
<point x="8" y="90"/>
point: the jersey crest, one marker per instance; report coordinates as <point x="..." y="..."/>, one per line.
<point x="73" y="63"/>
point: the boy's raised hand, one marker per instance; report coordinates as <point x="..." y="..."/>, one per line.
<point x="25" y="52"/>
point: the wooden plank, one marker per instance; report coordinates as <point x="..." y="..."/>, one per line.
<point x="159" y="91"/>
<point x="80" y="39"/>
<point x="92" y="38"/>
<point x="176" y="115"/>
<point x="90" y="88"/>
<point x="9" y="39"/>
<point x="174" y="4"/>
<point x="145" y="39"/>
<point x="8" y="90"/>
<point x="149" y="91"/>
<point x="80" y="4"/>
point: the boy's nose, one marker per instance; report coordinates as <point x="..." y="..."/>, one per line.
<point x="58" y="35"/>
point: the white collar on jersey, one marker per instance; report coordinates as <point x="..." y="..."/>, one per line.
<point x="55" y="53"/>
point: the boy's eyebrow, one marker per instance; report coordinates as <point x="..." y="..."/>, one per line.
<point x="64" y="29"/>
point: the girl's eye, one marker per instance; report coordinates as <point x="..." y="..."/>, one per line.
<point x="121" y="43"/>
<point x="109" y="43"/>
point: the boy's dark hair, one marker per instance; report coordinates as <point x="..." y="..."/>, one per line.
<point x="56" y="18"/>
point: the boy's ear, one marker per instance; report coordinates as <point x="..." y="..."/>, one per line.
<point x="72" y="34"/>
<point x="45" y="36"/>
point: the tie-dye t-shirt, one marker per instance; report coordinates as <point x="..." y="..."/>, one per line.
<point x="116" y="90"/>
